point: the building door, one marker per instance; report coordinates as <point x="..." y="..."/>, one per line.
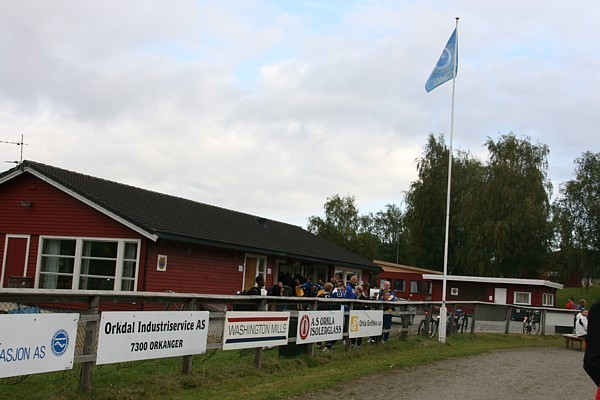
<point x="253" y="266"/>
<point x="16" y="251"/>
<point x="500" y="295"/>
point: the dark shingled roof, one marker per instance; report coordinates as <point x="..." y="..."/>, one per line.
<point x="178" y="219"/>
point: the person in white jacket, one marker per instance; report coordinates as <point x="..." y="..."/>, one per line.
<point x="581" y="324"/>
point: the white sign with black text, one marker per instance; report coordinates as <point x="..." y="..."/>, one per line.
<point x="365" y="323"/>
<point x="129" y="336"/>
<point x="249" y="329"/>
<point x="319" y="326"/>
<point x="35" y="343"/>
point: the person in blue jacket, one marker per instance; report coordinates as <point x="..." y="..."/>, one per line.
<point x="351" y="287"/>
<point x="387" y="297"/>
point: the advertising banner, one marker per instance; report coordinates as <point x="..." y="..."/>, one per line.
<point x="35" y="343"/>
<point x="248" y="329"/>
<point x="319" y="326"/>
<point x="143" y="335"/>
<point x="365" y="323"/>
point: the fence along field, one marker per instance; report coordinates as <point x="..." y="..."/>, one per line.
<point x="137" y="326"/>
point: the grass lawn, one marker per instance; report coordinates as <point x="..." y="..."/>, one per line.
<point x="226" y="375"/>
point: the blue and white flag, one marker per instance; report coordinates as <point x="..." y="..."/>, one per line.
<point x="446" y="67"/>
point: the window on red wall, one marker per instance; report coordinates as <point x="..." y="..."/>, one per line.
<point x="415" y="287"/>
<point x="522" y="298"/>
<point x="427" y="287"/>
<point x="81" y="263"/>
<point x="548" y="299"/>
<point x="399" y="285"/>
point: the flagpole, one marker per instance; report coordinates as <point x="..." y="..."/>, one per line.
<point x="443" y="312"/>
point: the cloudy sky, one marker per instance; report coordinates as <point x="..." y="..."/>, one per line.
<point x="271" y="107"/>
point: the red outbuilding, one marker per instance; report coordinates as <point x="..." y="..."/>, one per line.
<point x="407" y="282"/>
<point x="523" y="292"/>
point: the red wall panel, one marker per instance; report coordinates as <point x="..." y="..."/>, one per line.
<point x="52" y="212"/>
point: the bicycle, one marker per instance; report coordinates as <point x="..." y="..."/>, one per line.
<point x="429" y="326"/>
<point x="459" y="324"/>
<point x="531" y="323"/>
<point x="463" y="322"/>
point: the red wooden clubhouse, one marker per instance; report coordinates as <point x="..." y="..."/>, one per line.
<point x="61" y="229"/>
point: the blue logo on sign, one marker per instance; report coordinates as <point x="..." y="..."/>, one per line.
<point x="60" y="342"/>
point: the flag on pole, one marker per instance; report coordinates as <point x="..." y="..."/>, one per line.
<point x="446" y="67"/>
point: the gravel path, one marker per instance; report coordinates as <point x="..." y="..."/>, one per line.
<point x="532" y="374"/>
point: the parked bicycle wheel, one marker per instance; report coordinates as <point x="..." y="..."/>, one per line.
<point x="451" y="328"/>
<point x="421" y="328"/>
<point x="535" y="327"/>
<point x="463" y="324"/>
<point x="432" y="329"/>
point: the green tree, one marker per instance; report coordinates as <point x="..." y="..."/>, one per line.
<point x="499" y="212"/>
<point x="388" y="225"/>
<point x="426" y="203"/>
<point x="577" y="219"/>
<point x="426" y="207"/>
<point x="344" y="226"/>
<point x="515" y="221"/>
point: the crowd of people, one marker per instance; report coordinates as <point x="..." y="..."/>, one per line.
<point x="335" y="288"/>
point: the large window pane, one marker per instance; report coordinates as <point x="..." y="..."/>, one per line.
<point x="100" y="249"/>
<point x="89" y="283"/>
<point x="98" y="267"/>
<point x="415" y="286"/>
<point x="522" y="298"/>
<point x="57" y="264"/>
<point x="399" y="285"/>
<point x="61" y="247"/>
<point x="129" y="269"/>
<point x="127" y="285"/>
<point x="53" y="281"/>
<point x="130" y="251"/>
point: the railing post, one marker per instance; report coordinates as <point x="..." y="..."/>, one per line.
<point x="543" y="321"/>
<point x="258" y="352"/>
<point x="186" y="364"/>
<point x="311" y="346"/>
<point x="347" y="323"/>
<point x="473" y="319"/>
<point x="507" y="322"/>
<point x="89" y="346"/>
<point x="405" y="318"/>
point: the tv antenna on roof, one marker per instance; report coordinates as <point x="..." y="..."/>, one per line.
<point x="18" y="144"/>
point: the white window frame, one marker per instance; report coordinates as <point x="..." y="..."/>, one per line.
<point x="394" y="285"/>
<point x="118" y="277"/>
<point x="516" y="294"/>
<point x="548" y="299"/>
<point x="419" y="286"/>
<point x="346" y="273"/>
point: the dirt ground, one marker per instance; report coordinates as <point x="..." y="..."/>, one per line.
<point x="532" y="374"/>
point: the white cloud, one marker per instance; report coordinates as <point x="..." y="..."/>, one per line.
<point x="270" y="108"/>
